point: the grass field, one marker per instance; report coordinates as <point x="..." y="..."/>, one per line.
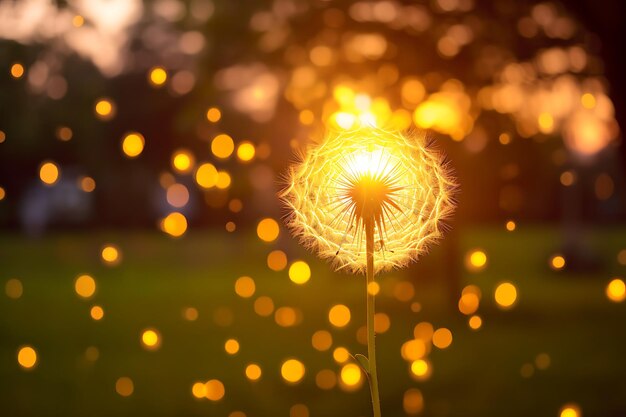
<point x="566" y="316"/>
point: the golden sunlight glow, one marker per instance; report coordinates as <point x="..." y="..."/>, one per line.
<point x="85" y="286"/>
<point x="105" y="109"/>
<point x="468" y="303"/>
<point x="546" y="123"/>
<point x="442" y="338"/>
<point x="246" y="151"/>
<point x="413" y="402"/>
<point x="78" y="21"/>
<point x="373" y="288"/>
<point x="231" y="346"/>
<point x="420" y="368"/>
<point x="341" y="354"/>
<point x="245" y="287"/>
<point x="567" y="178"/>
<point x="588" y="101"/>
<point x="475" y="322"/>
<point x="49" y="173"/>
<point x="133" y="144"/>
<point x="268" y="230"/>
<point x="351" y="374"/>
<point x="423" y="331"/>
<point x="321" y="55"/>
<point x="476" y="260"/>
<point x="344" y="120"/>
<point x="287" y="316"/>
<point x="253" y="372"/>
<point x="299" y="272"/>
<point x="616" y="290"/>
<point x="17" y="70"/>
<point x="306" y="117"/>
<point x="511" y="226"/>
<point x="198" y="390"/>
<point x="409" y="188"/>
<point x="87" y="184"/>
<point x="504" y="138"/>
<point x="174" y="224"/>
<point x="339" y="315"/>
<point x="223" y="180"/>
<point x="292" y="371"/>
<point x="183" y="161"/>
<point x="587" y="132"/>
<point x="222" y="146"/>
<point x="382" y="323"/>
<point x="412" y="92"/>
<point x="206" y="175"/>
<point x="413" y="350"/>
<point x="322" y="340"/>
<point x="235" y="205"/>
<point x="446" y="111"/>
<point x="124" y="386"/>
<point x="110" y="254"/>
<point x="214" y="389"/>
<point x="557" y="262"/>
<point x="213" y="115"/>
<point x="96" y="313"/>
<point x="151" y="339"/>
<point x="27" y="357"/>
<point x="277" y="260"/>
<point x="357" y="110"/>
<point x="264" y="306"/>
<point x="505" y="295"/>
<point x="157" y="76"/>
<point x="570" y="410"/>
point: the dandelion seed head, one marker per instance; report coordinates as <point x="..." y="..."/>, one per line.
<point x="396" y="180"/>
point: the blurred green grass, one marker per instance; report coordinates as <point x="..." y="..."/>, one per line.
<point x="566" y="316"/>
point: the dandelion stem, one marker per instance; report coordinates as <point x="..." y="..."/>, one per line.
<point x="371" y="345"/>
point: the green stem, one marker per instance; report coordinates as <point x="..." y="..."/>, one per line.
<point x="371" y="346"/>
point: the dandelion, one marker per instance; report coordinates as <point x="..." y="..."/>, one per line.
<point x="369" y="192"/>
<point x="394" y="183"/>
